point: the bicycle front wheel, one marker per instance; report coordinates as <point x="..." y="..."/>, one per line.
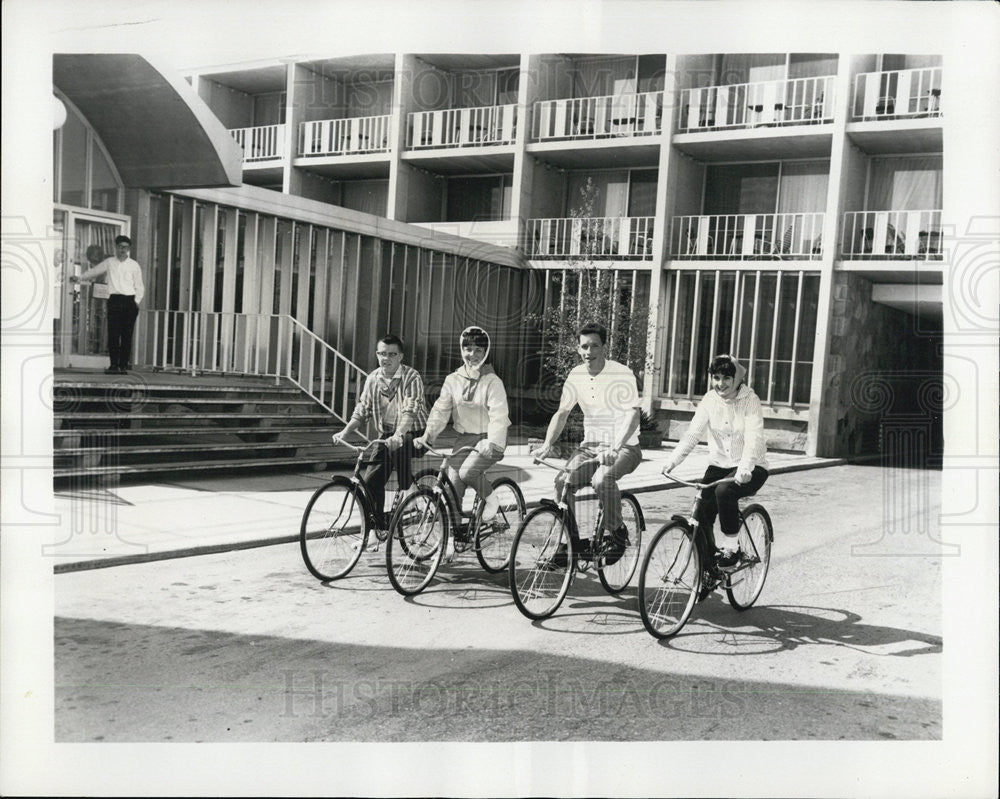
<point x="755" y="539"/>
<point x="494" y="538"/>
<point x="417" y="535"/>
<point x="669" y="580"/>
<point x="616" y="576"/>
<point x="539" y="575"/>
<point x="334" y="529"/>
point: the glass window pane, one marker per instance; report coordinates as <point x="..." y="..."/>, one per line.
<point x="684" y="282"/>
<point x="74" y="161"/>
<point x="197" y="266"/>
<point x="241" y="232"/>
<point x="746" y="316"/>
<point x="220" y="260"/>
<point x="760" y="379"/>
<point x="727" y="307"/>
<point x="103" y="187"/>
<point x="704" y="341"/>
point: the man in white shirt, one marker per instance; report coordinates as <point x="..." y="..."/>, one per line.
<point x="125" y="290"/>
<point x="608" y="395"/>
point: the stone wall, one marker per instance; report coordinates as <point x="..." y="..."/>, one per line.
<point x="883" y="365"/>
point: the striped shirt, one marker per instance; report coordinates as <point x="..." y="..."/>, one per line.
<point x="408" y="400"/>
<point x="735" y="428"/>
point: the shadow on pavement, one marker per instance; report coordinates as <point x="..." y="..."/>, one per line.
<point x="136" y="682"/>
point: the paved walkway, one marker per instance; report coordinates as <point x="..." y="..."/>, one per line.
<point x="175" y="517"/>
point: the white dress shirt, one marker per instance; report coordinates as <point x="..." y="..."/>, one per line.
<point x="607" y="400"/>
<point x="124" y="277"/>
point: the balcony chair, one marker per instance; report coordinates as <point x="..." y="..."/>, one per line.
<point x="886" y="106"/>
<point x="929" y="243"/>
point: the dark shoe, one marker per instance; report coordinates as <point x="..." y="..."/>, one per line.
<point x="726" y="558"/>
<point x="123" y="371"/>
<point x="112" y="370"/>
<point x="617" y="543"/>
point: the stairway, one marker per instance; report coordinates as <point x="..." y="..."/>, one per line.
<point x="146" y="423"/>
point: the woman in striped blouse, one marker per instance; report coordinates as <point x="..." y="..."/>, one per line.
<point x="731" y="411"/>
<point x="393" y="398"/>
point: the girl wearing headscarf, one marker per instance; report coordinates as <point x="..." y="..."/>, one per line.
<point x="475" y="399"/>
<point x="730" y="410"/>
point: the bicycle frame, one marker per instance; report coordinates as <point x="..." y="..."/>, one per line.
<point x="359" y="481"/>
<point x="695" y="527"/>
<point x="560" y="502"/>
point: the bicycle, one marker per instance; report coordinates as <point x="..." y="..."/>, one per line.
<point x="673" y="578"/>
<point x="420" y="526"/>
<point x="539" y="580"/>
<point x="339" y="517"/>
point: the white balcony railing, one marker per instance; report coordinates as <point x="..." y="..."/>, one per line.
<point x="354" y="135"/>
<point x="880" y="235"/>
<point x="262" y="143"/>
<point x="601" y="238"/>
<point x="747" y="236"/>
<point x="799" y="101"/>
<point x="489" y="125"/>
<point x="897" y="94"/>
<point x="593" y="117"/>
<point x="266" y="345"/>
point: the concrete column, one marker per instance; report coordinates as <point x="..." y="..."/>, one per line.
<point x="403" y="103"/>
<point x="299" y="91"/>
<point x="818" y="442"/>
<point x="657" y="344"/>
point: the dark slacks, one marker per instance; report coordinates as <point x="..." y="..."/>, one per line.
<point x="382" y="465"/>
<point x="122" y="312"/>
<point x="722" y="501"/>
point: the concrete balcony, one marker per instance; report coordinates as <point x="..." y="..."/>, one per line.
<point x="598" y="117"/>
<point x="743" y="237"/>
<point x="773" y="103"/>
<point x="891" y="235"/>
<point x="591" y="239"/>
<point x="340" y="137"/>
<point x="486" y="126"/>
<point x="261" y="144"/>
<point x="897" y="94"/>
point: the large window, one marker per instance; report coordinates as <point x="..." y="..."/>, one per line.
<point x="83" y="174"/>
<point x="766" y="318"/>
<point x="484" y="199"/>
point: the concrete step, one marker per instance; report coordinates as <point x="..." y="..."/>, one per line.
<point x="192" y="466"/>
<point x="106" y="432"/>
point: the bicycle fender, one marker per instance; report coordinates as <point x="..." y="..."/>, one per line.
<point x="689" y="523"/>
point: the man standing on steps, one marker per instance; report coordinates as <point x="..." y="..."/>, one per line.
<point x="125" y="290"/>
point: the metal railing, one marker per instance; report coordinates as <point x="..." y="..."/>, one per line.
<point x="592" y="117"/>
<point x="261" y="143"/>
<point x="462" y="127"/>
<point x="345" y="136"/>
<point x="880" y="235"/>
<point x="591" y="237"/>
<point x="799" y="101"/>
<point x="740" y="237"/>
<point x="897" y="94"/>
<point x="262" y="345"/>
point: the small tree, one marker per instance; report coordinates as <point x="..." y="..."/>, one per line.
<point x="590" y="292"/>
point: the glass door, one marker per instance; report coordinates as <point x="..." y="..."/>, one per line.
<point x="81" y="332"/>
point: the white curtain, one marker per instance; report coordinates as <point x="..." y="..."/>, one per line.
<point x="905" y="184"/>
<point x="802" y="188"/>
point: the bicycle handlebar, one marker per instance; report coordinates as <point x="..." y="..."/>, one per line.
<point x="700" y="486"/>
<point x="440" y="454"/>
<point x="584" y="450"/>
<point x="368" y="443"/>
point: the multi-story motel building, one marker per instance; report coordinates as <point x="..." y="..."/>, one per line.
<point x="785" y="207"/>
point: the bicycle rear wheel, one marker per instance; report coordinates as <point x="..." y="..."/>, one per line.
<point x="616" y="576"/>
<point x="755" y="539"/>
<point x="417" y="536"/>
<point x="538" y="580"/>
<point x="669" y="580"/>
<point x="334" y="529"/>
<point x="494" y="538"/>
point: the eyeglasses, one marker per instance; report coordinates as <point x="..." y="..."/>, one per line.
<point x="388" y="354"/>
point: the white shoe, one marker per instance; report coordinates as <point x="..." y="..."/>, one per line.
<point x="490" y="507"/>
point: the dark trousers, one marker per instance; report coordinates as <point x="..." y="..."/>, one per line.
<point x="722" y="501"/>
<point x="382" y="465"/>
<point x="122" y="312"/>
